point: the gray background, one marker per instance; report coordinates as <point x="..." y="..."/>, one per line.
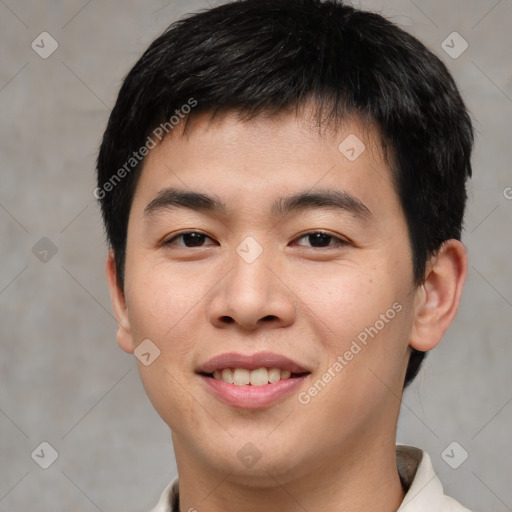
<point x="63" y="378"/>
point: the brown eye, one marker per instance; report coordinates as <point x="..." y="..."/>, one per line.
<point x="319" y="239"/>
<point x="190" y="239"/>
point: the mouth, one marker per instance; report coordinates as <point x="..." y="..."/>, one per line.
<point x="252" y="381"/>
<point x="259" y="377"/>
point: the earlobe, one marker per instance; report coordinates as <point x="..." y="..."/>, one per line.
<point x="437" y="299"/>
<point x="124" y="332"/>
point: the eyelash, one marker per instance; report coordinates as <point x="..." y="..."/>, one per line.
<point x="339" y="241"/>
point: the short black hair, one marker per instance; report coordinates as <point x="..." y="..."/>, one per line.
<point x="267" y="56"/>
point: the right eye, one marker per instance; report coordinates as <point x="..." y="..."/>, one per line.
<point x="190" y="239"/>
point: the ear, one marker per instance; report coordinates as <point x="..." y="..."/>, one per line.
<point x="124" y="332"/>
<point x="437" y="299"/>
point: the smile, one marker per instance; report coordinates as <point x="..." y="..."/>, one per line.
<point x="252" y="381"/>
<point x="245" y="377"/>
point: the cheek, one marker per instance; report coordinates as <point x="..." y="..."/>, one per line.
<point x="160" y="310"/>
<point x="348" y="299"/>
<point x="363" y="319"/>
<point x="169" y="394"/>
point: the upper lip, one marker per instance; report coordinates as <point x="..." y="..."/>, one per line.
<point x="250" y="362"/>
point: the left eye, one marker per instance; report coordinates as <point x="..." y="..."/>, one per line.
<point x="320" y="239"/>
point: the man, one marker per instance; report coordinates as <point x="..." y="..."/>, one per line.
<point x="283" y="187"/>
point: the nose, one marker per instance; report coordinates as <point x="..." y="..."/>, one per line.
<point x="252" y="293"/>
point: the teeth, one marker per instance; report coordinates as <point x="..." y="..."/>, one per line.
<point x="227" y="375"/>
<point x="259" y="377"/>
<point x="274" y="374"/>
<point x="241" y="376"/>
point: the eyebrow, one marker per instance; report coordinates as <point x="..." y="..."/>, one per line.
<point x="169" y="198"/>
<point x="328" y="198"/>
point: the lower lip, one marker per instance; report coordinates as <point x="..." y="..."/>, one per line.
<point x="252" y="397"/>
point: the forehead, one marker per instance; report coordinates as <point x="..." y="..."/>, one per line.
<point x="304" y="123"/>
<point x="248" y="162"/>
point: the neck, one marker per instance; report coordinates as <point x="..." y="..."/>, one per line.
<point x="357" y="480"/>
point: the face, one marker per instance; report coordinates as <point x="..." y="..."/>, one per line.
<point x="262" y="245"/>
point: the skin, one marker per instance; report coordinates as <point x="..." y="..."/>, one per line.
<point x="308" y="303"/>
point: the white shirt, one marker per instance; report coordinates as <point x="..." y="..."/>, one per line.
<point x="424" y="492"/>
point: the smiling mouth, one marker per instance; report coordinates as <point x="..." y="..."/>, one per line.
<point x="258" y="377"/>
